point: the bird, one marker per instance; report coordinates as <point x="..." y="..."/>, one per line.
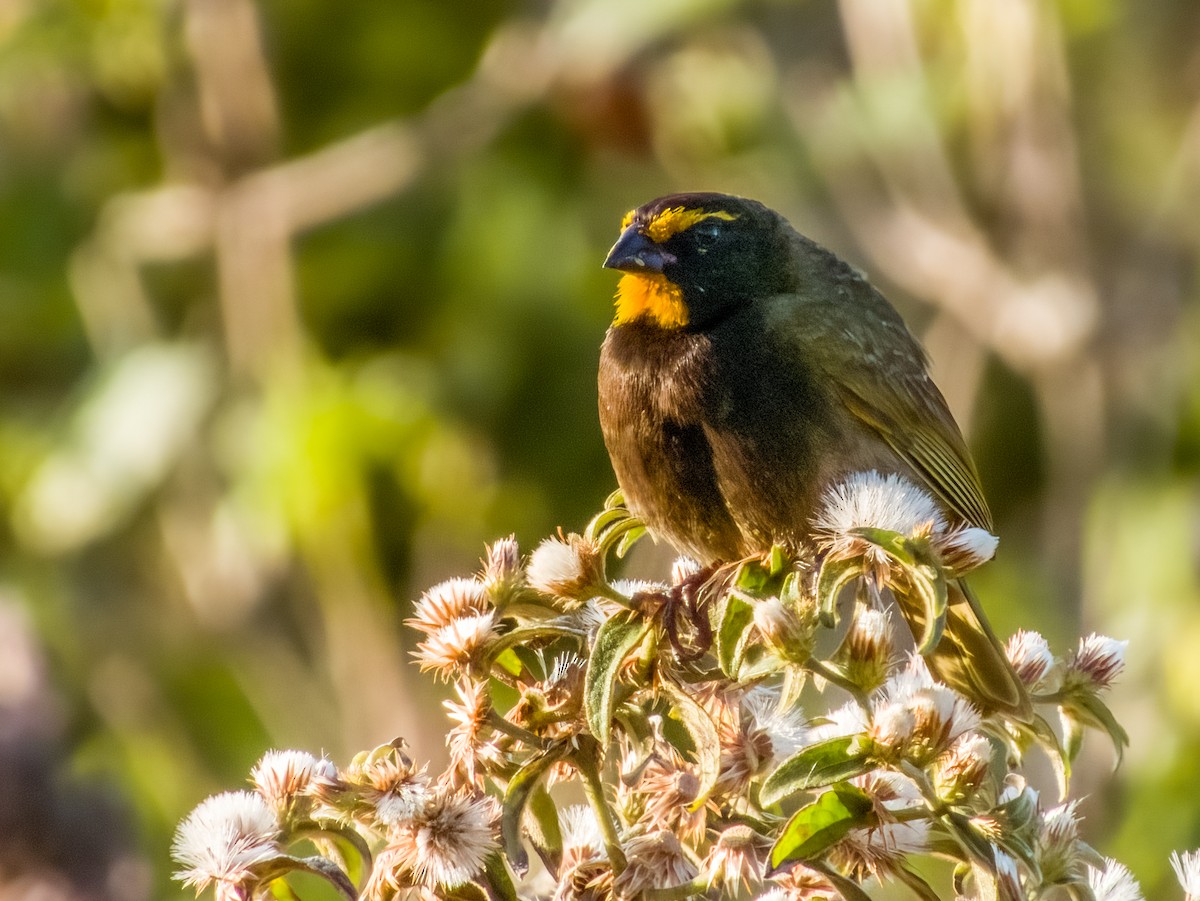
<point x="747" y="371"/>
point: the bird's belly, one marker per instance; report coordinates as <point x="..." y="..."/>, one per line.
<point x="651" y="389"/>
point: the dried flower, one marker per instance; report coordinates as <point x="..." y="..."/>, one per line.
<point x="849" y="719"/>
<point x="468" y="740"/>
<point x="655" y="860"/>
<point x="1114" y="882"/>
<point x="283" y="778"/>
<point x="786" y="730"/>
<point x="448" y="602"/>
<point x="582" y="838"/>
<point x="662" y="791"/>
<point x="965" y="548"/>
<point x="1098" y="661"/>
<point x="224" y="840"/>
<point x="586" y="882"/>
<point x="878" y="850"/>
<point x="683" y="569"/>
<point x="570" y="568"/>
<point x="800" y="883"/>
<point x="893" y="503"/>
<point x="390" y="874"/>
<point x="391" y="788"/>
<point x="458" y="647"/>
<point x="1187" y="871"/>
<point x="448" y="840"/>
<point x="735" y="861"/>
<point x="1030" y="657"/>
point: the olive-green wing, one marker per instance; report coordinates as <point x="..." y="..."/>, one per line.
<point x="857" y="342"/>
<point x="903" y="405"/>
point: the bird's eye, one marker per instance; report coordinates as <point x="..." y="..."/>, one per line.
<point x="705" y="236"/>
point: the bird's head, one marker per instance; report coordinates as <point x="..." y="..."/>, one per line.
<point x="689" y="259"/>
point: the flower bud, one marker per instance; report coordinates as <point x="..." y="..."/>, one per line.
<point x="1098" y="661"/>
<point x="866" y="651"/>
<point x="1030" y="657"/>
<point x="783" y="629"/>
<point x="960" y="769"/>
<point x="502" y="574"/>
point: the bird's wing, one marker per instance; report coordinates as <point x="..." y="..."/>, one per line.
<point x="909" y="413"/>
<point x="878" y="370"/>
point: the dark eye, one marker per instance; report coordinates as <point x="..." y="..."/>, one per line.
<point x="705" y="236"/>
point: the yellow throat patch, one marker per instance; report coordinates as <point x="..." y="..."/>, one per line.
<point x="650" y="294"/>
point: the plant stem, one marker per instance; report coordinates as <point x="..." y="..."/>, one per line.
<point x="814" y="665"/>
<point x="500" y="724"/>
<point x="585" y="760"/>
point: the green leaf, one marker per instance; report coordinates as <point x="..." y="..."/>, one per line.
<point x="777" y="560"/>
<point x="1087" y="707"/>
<point x="925" y="576"/>
<point x="517" y="795"/>
<point x="614" y="642"/>
<point x="1060" y="760"/>
<point x="531" y="660"/>
<point x="632" y="536"/>
<point x="815" y="828"/>
<point x="703" y="732"/>
<point x="826" y="762"/>
<point x="529" y="634"/>
<point x="916" y="883"/>
<point x="350" y="845"/>
<point x="977" y="848"/>
<point x="736" y="617"/>
<point x="281" y="866"/>
<point x="832" y="578"/>
<point x="499" y="879"/>
<point x="508" y="661"/>
<point x="543" y="828"/>
<point x="753" y="578"/>
<point x="615" y="526"/>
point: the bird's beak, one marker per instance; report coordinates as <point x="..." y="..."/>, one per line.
<point x="634" y="252"/>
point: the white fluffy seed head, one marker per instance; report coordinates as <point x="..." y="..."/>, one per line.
<point x="570" y="568"/>
<point x="224" y="839"/>
<point x="1113" y="883"/>
<point x="872" y="500"/>
<point x="1187" y="871"/>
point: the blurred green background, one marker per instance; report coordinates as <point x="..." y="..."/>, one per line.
<point x="300" y="303"/>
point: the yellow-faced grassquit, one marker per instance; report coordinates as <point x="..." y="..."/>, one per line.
<point x="749" y="370"/>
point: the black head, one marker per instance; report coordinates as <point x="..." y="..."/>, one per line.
<point x="715" y="251"/>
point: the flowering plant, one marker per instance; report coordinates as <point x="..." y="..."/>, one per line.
<point x="731" y="732"/>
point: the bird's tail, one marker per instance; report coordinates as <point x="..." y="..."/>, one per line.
<point x="970" y="659"/>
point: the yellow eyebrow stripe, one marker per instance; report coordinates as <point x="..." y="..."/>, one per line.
<point x="673" y="220"/>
